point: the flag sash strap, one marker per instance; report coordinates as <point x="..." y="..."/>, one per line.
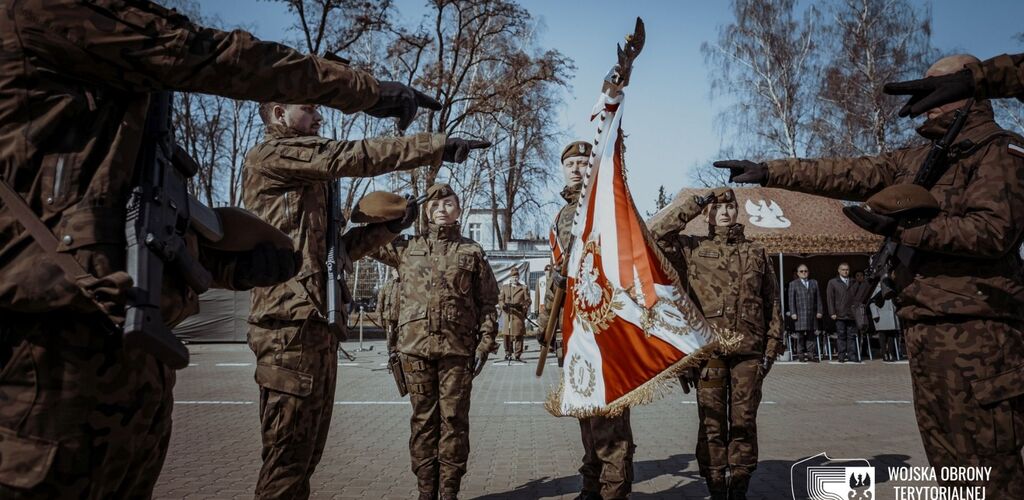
<point x="627" y="330"/>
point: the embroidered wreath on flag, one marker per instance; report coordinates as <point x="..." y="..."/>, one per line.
<point x="592" y="294"/>
<point x="588" y="369"/>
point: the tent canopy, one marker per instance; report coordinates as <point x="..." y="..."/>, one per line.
<point x="789" y="222"/>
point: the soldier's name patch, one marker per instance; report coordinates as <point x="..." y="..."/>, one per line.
<point x="711" y="254"/>
<point x="1015" y="150"/>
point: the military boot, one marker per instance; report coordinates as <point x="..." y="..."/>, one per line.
<point x="718" y="488"/>
<point x="449" y="495"/>
<point x="738" y="487"/>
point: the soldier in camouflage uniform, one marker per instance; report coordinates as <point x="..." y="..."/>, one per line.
<point x="75" y="78"/>
<point x="388" y="306"/>
<point x="608" y="447"/>
<point x="1001" y="76"/>
<point x="514" y="302"/>
<point x="732" y="278"/>
<point x="960" y="302"/>
<point x="446" y="331"/>
<point x="284" y="181"/>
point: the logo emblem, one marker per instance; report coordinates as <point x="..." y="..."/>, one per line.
<point x="822" y="478"/>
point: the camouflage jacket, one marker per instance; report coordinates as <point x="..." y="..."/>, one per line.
<point x="284" y="181"/>
<point x="448" y="294"/>
<point x="74" y="83"/>
<point x="968" y="263"/>
<point x="514" y="303"/>
<point x="561" y="238"/>
<point x="1001" y="76"/>
<point x="388" y="301"/>
<point x="730" y="276"/>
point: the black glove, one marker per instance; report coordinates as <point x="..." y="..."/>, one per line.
<point x="932" y="92"/>
<point x="412" y="210"/>
<point x="264" y="265"/>
<point x="745" y="171"/>
<point x="457" y="150"/>
<point x="766" y="366"/>
<point x="871" y="222"/>
<point x="558" y="278"/>
<point x="479" y="360"/>
<point x="110" y="293"/>
<point x="688" y="378"/>
<point x="398" y="100"/>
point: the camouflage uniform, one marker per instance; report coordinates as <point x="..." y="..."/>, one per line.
<point x="1001" y="76"/>
<point x="514" y="301"/>
<point x="448" y="314"/>
<point x="732" y="278"/>
<point x="608" y="447"/>
<point x="81" y="71"/>
<point x="284" y="181"/>
<point x="387" y="308"/>
<point x="960" y="303"/>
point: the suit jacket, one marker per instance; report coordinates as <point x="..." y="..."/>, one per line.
<point x="805" y="302"/>
<point x="840" y="297"/>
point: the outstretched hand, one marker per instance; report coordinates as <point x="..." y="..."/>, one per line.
<point x="456" y="150"/>
<point x="744" y="171"/>
<point x="932" y="92"/>
<point x="398" y="100"/>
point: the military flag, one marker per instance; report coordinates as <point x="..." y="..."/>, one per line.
<point x="627" y="327"/>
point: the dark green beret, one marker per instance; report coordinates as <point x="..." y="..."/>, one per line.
<point x="903" y="199"/>
<point x="439" y="191"/>
<point x="578" y="148"/>
<point x="379" y="206"/>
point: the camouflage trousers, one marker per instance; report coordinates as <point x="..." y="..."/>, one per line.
<point x="439" y="390"/>
<point x="728" y="394"/>
<point x="296" y="369"/>
<point x="80" y="416"/>
<point x="607" y="456"/>
<point x="968" y="383"/>
<point x="513" y="346"/>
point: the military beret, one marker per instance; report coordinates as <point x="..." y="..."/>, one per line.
<point x="243" y="231"/>
<point x="379" y="206"/>
<point x="901" y="199"/>
<point x="578" y="148"/>
<point x="439" y="191"/>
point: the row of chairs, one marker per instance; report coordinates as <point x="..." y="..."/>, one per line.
<point x="830" y="349"/>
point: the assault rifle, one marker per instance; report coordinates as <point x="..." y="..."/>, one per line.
<point x="337" y="261"/>
<point x="159" y="214"/>
<point x="893" y="257"/>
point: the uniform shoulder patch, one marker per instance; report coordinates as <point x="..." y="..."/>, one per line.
<point x="1015" y="150"/>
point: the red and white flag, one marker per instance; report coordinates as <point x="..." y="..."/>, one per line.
<point x="627" y="328"/>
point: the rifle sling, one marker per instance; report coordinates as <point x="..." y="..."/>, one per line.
<point x="43" y="237"/>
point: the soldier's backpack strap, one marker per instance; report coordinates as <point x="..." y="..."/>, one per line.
<point x="43" y="237"/>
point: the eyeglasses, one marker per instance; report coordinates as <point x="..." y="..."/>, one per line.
<point x="803" y="271"/>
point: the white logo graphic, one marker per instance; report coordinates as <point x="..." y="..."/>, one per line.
<point x="766" y="214"/>
<point x="828" y="479"/>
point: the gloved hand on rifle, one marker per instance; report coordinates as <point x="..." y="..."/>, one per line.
<point x="688" y="379"/>
<point x="745" y="171"/>
<point x="400" y="101"/>
<point x="456" y="150"/>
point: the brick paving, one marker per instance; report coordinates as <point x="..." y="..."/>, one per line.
<point x="518" y="450"/>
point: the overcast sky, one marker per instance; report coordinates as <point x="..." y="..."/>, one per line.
<point x="669" y="117"/>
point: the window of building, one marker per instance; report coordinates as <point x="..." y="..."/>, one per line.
<point x="475" y="231"/>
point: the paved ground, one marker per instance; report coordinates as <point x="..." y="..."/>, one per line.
<point x="518" y="450"/>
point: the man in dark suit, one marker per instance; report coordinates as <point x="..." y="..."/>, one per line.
<point x="805" y="307"/>
<point x="839" y="295"/>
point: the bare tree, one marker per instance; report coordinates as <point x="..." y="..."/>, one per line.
<point x="869" y="43"/>
<point x="765" y="61"/>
